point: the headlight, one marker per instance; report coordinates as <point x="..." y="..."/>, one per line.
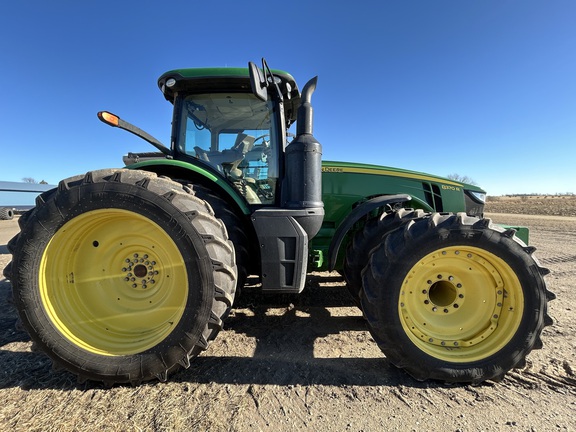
<point x="478" y="196"/>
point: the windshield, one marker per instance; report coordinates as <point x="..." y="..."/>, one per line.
<point x="233" y="133"/>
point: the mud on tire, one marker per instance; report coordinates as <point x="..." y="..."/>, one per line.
<point x="455" y="298"/>
<point x="121" y="276"/>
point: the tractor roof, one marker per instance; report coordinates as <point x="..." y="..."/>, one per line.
<point x="227" y="79"/>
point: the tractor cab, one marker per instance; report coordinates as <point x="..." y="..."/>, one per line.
<point x="222" y="125"/>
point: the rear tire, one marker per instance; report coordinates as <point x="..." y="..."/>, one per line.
<point x="236" y="228"/>
<point x="455" y="298"/>
<point x="121" y="276"/>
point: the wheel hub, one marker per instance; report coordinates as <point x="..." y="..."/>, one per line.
<point x="140" y="270"/>
<point x="443" y="294"/>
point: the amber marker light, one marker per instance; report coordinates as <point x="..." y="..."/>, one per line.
<point x="109" y="118"/>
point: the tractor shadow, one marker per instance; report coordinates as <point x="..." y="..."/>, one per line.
<point x="285" y="328"/>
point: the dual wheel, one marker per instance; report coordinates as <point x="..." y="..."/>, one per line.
<point x="452" y="297"/>
<point x="121" y="276"/>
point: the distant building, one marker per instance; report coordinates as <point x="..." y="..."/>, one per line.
<point x="21" y="196"/>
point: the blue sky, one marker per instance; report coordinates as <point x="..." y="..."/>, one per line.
<point x="485" y="89"/>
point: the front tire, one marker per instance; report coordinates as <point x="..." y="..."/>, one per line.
<point x="365" y="240"/>
<point x="455" y="298"/>
<point x="121" y="276"/>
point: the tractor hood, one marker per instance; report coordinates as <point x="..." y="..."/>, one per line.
<point x="360" y="168"/>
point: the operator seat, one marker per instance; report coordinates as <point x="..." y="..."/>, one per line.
<point x="227" y="157"/>
<point x="233" y="157"/>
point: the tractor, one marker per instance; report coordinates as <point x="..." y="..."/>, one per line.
<point x="126" y="275"/>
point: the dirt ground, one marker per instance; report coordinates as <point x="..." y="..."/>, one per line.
<point x="307" y="363"/>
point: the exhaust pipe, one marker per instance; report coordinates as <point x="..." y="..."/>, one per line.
<point x="303" y="181"/>
<point x="305" y="110"/>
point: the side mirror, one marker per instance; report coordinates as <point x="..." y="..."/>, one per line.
<point x="258" y="82"/>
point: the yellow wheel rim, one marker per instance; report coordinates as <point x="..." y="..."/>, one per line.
<point x="461" y="304"/>
<point x="113" y="282"/>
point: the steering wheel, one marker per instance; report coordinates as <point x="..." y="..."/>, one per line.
<point x="265" y="142"/>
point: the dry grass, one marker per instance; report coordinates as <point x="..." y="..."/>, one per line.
<point x="550" y="205"/>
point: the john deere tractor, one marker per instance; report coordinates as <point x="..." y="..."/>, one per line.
<point x="125" y="275"/>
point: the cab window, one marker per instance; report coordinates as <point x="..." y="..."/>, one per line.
<point x="234" y="134"/>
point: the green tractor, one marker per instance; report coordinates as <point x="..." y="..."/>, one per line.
<point x="125" y="275"/>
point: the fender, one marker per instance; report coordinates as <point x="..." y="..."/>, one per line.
<point x="359" y="212"/>
<point x="169" y="166"/>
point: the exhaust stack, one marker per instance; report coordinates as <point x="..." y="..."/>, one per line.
<point x="303" y="167"/>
